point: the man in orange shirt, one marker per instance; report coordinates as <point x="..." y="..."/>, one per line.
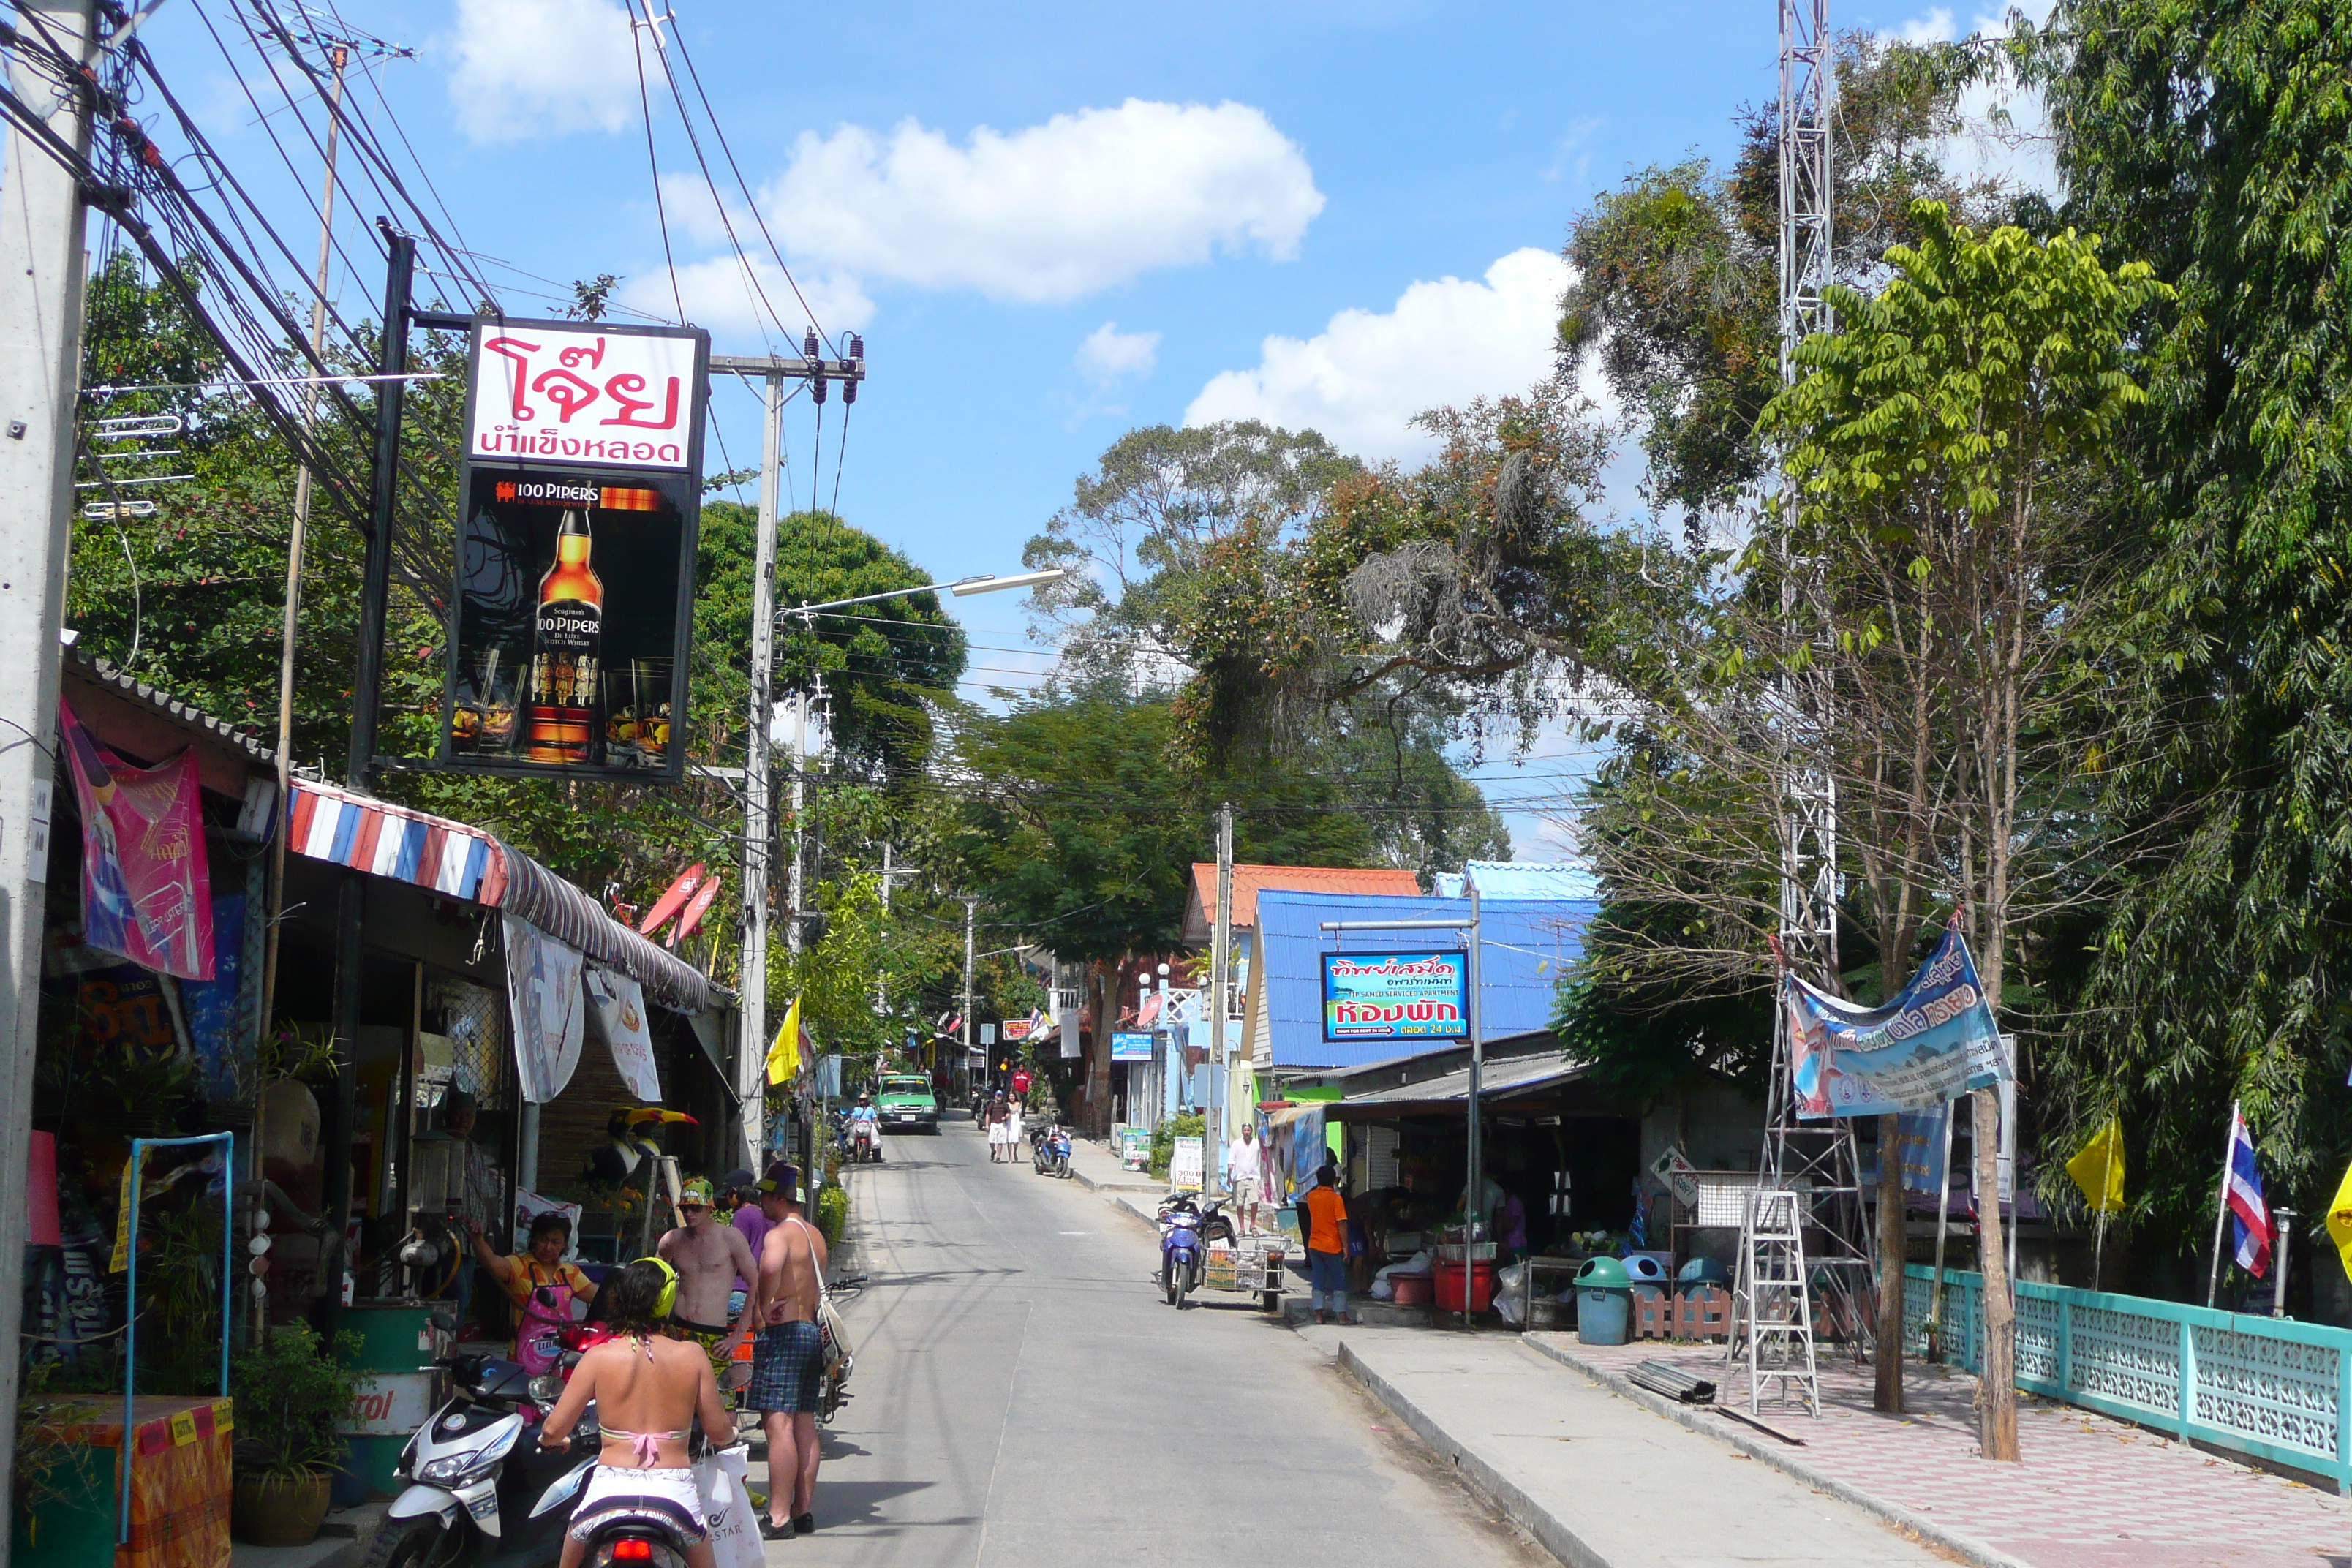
<point x="1326" y="1245"/>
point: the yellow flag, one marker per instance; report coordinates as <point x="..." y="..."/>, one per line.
<point x="2339" y="1221"/>
<point x="2098" y="1170"/>
<point x="784" y="1056"/>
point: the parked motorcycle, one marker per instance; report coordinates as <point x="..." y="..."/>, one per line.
<point x="1210" y="1221"/>
<point x="1182" y="1253"/>
<point x="481" y="1489"/>
<point x="1049" y="1149"/>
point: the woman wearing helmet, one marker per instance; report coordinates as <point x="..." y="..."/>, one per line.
<point x="648" y="1389"/>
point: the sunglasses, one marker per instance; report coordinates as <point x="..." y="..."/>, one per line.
<point x="693" y="1208"/>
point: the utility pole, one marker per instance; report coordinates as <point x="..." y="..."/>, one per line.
<point x="970" y="907"/>
<point x="294" y="545"/>
<point x="42" y="222"/>
<point x="1221" y="960"/>
<point x="759" y="785"/>
<point x="758" y="828"/>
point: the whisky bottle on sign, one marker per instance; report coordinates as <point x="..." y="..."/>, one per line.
<point x="568" y="635"/>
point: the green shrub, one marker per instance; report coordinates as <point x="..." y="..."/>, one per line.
<point x="833" y="1213"/>
<point x="1189" y="1124"/>
<point x="291" y="1396"/>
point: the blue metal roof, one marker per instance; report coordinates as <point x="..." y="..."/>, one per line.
<point x="1527" y="945"/>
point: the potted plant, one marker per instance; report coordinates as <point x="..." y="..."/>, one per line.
<point x="290" y="1397"/>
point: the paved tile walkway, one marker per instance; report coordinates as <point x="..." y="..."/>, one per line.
<point x="2092" y="1493"/>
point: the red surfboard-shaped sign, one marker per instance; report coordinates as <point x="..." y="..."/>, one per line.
<point x="669" y="902"/>
<point x="693" y="915"/>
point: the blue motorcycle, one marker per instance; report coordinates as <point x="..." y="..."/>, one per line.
<point x="1181" y="1253"/>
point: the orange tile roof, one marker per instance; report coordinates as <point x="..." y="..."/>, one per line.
<point x="1250" y="880"/>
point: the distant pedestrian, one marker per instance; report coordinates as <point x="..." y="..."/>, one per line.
<point x="1000" y="1128"/>
<point x="1327" y="1247"/>
<point x="1019" y="1083"/>
<point x="1245" y="1175"/>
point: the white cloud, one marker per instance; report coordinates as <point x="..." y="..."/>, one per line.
<point x="716" y="295"/>
<point x="1051" y="213"/>
<point x="1366" y="374"/>
<point x="1109" y="355"/>
<point x="2018" y="152"/>
<point x="542" y="67"/>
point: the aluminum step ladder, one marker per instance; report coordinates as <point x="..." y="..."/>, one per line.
<point x="1772" y="1306"/>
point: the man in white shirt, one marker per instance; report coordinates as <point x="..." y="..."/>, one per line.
<point x="1245" y="1174"/>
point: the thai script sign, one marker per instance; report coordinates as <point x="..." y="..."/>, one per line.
<point x="1396" y="995"/>
<point x="1131" y="1046"/>
<point x="1933" y="1043"/>
<point x="580" y="505"/>
<point x="585" y="393"/>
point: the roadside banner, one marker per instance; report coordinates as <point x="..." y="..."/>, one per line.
<point x="146" y="890"/>
<point x="616" y="1008"/>
<point x="1184" y="1166"/>
<point x="1935" y="1042"/>
<point x="544" y="993"/>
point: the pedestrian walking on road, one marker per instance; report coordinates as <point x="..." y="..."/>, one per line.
<point x="999" y="1117"/>
<point x="1245" y="1175"/>
<point x="1327" y="1247"/>
<point x="787" y="1368"/>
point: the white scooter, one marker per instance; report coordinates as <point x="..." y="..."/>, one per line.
<point x="481" y="1491"/>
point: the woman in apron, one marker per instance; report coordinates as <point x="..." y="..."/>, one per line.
<point x="542" y="1285"/>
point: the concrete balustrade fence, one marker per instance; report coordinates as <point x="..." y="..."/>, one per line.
<point x="2267" y="1388"/>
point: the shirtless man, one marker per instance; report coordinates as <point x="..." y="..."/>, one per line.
<point x="707" y="1256"/>
<point x="788" y="1365"/>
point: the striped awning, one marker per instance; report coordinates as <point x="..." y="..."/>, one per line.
<point x="368" y="835"/>
<point x="535" y="894"/>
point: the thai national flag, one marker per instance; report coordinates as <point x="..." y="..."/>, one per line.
<point x="2244" y="1192"/>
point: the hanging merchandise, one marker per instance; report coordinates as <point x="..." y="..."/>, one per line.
<point x="545" y="995"/>
<point x="616" y="1010"/>
<point x="146" y="889"/>
<point x="1933" y="1043"/>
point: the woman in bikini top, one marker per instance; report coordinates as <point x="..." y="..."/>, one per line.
<point x="648" y="1389"/>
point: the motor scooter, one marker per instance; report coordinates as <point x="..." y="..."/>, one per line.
<point x="481" y="1491"/>
<point x="863" y="1146"/>
<point x="1181" y="1253"/>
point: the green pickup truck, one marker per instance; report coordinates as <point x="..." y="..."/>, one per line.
<point x="907" y="1102"/>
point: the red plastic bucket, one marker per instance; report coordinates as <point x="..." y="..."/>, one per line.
<point x="1482" y="1286"/>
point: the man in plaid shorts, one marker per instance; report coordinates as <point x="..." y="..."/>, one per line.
<point x="787" y="1365"/>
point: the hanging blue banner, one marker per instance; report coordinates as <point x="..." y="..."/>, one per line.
<point x="1932" y="1044"/>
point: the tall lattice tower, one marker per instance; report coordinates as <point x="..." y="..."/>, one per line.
<point x="1818" y="1157"/>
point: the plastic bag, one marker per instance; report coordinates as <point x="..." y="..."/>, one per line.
<point x="726" y="1509"/>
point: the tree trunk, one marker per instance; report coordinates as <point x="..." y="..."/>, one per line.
<point x="1997" y="1375"/>
<point x="1887" y="1398"/>
<point x="1099" y="1064"/>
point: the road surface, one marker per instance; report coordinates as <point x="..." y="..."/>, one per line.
<point x="1024" y="1396"/>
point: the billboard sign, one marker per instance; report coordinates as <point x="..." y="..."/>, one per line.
<point x="580" y="497"/>
<point x="1131" y="1046"/>
<point x="1420" y="995"/>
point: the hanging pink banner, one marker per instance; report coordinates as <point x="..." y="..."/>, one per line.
<point x="146" y="891"/>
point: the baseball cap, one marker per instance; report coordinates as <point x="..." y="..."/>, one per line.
<point x="697" y="1190"/>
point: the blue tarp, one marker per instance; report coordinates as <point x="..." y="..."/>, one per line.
<point x="1529" y="944"/>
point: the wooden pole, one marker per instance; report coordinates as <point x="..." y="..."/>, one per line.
<point x="1943" y="1229"/>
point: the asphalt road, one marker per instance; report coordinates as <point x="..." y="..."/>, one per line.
<point x="1024" y="1396"/>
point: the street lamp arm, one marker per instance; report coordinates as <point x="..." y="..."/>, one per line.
<point x="984" y="584"/>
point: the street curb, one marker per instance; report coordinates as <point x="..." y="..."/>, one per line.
<point x="1553" y="1535"/>
<point x="1966" y="1547"/>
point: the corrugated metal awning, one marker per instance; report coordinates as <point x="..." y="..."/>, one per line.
<point x="537" y="895"/>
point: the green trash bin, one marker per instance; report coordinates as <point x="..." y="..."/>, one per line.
<point x="1604" y="1302"/>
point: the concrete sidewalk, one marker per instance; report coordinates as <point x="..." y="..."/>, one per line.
<point x="1600" y="1482"/>
<point x="2091" y="1493"/>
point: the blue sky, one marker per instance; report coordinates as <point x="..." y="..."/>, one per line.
<point x="1055" y="222"/>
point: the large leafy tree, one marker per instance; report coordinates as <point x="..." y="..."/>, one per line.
<point x="2210" y="139"/>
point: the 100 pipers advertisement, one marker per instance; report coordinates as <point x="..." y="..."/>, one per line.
<point x="580" y="497"/>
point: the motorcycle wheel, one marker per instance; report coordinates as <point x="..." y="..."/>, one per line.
<point x="1184" y="1285"/>
<point x="424" y="1542"/>
<point x="828" y="1401"/>
<point x="1168" y="1280"/>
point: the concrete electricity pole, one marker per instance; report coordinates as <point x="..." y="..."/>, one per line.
<point x="1221" y="960"/>
<point x="759" y="787"/>
<point x="41" y="228"/>
<point x="970" y="907"/>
